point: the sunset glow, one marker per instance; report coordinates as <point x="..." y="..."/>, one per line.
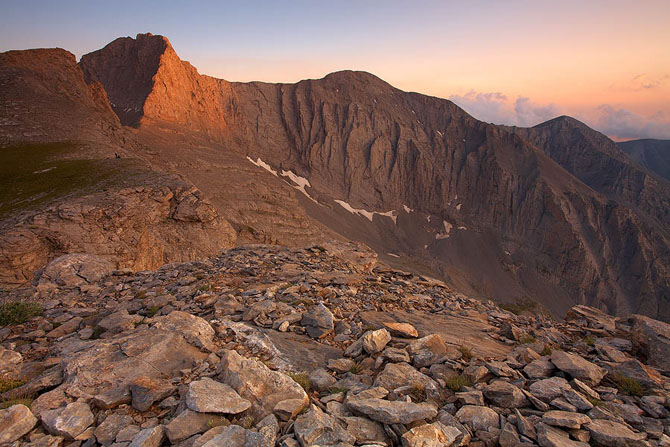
<point x="516" y="62"/>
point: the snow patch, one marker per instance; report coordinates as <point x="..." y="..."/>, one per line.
<point x="447" y="230"/>
<point x="428" y="219"/>
<point x="393" y="254"/>
<point x="462" y="228"/>
<point x="440" y="133"/>
<point x="44" y="170"/>
<point x="458" y="207"/>
<point x="300" y="183"/>
<point x="261" y="164"/>
<point x="407" y="209"/>
<point x="368" y="214"/>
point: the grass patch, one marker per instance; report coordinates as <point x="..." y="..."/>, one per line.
<point x="466" y="352"/>
<point x="17" y="312"/>
<point x="527" y="339"/>
<point x="35" y="174"/>
<point x="302" y="379"/>
<point x="418" y="392"/>
<point x="595" y="402"/>
<point x="11" y="402"/>
<point x="308" y="302"/>
<point x="355" y="368"/>
<point x="590" y="340"/>
<point x="627" y="385"/>
<point x="97" y="332"/>
<point x="10" y="384"/>
<point x="546" y="350"/>
<point x="519" y="307"/>
<point x="141" y="295"/>
<point x="455" y="383"/>
<point x="153" y="310"/>
<point x="336" y="390"/>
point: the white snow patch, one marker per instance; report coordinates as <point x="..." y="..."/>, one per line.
<point x="393" y="254"/>
<point x="44" y="170"/>
<point x="458" y="207"/>
<point x="407" y="209"/>
<point x="261" y="164"/>
<point x="440" y="133"/>
<point x="428" y="219"/>
<point x="368" y="214"/>
<point x="507" y="253"/>
<point x="425" y="246"/>
<point x="447" y="230"/>
<point x="462" y="228"/>
<point x="300" y="182"/>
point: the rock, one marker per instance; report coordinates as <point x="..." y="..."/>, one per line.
<point x="15" y="422"/>
<point x="70" y="421"/>
<point x="195" y="330"/>
<point x="430" y="435"/>
<point x="208" y="435"/>
<point x="120" y="321"/>
<point x="548" y="389"/>
<point x="257" y="383"/>
<point x="321" y="380"/>
<point x="236" y="436"/>
<point x="318" y="428"/>
<point x="318" y="321"/>
<point x="539" y="369"/>
<point x="471" y="398"/>
<point x="652" y="339"/>
<point x="149" y="437"/>
<point x="577" y="399"/>
<point x="565" y="419"/>
<point x="106" y="432"/>
<point x="10" y="363"/>
<point x="375" y="341"/>
<point x="188" y="423"/>
<point x="75" y="270"/>
<point x="429" y="350"/>
<point x="388" y="412"/>
<point x="577" y="367"/>
<point x="404" y="330"/>
<point x="209" y="396"/>
<point x="477" y="417"/>
<point x="509" y="437"/>
<point x="614" y="434"/>
<point x="365" y="431"/>
<point x="511" y="331"/>
<point x="396" y="375"/>
<point x="396" y="355"/>
<point x="593" y="317"/>
<point x="634" y="369"/>
<point x="504" y="394"/>
<point x="288" y="408"/>
<point x="66" y="328"/>
<point x="548" y="436"/>
<point x="146" y="390"/>
<point x="341" y="365"/>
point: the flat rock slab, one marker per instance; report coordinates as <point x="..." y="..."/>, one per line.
<point x="392" y="412"/>
<point x="301" y="351"/>
<point x="456" y="330"/>
<point x="15" y="422"/>
<point x="209" y="396"/>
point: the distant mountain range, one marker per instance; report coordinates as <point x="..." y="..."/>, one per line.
<point x="556" y="214"/>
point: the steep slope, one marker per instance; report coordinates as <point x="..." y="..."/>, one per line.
<point x="652" y="154"/>
<point x="418" y="178"/>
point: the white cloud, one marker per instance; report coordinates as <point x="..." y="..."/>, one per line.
<point x="497" y="108"/>
<point x="623" y="124"/>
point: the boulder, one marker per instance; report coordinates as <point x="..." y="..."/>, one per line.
<point x="119" y="321"/>
<point x="566" y="419"/>
<point x="613" y="434"/>
<point x="392" y="412"/>
<point x="69" y="421"/>
<point x="404" y="330"/>
<point x="209" y="396"/>
<point x="106" y="432"/>
<point x="10" y="363"/>
<point x="146" y="390"/>
<point x="236" y="436"/>
<point x="548" y="389"/>
<point x="74" y="270"/>
<point x="477" y="417"/>
<point x="548" y="436"/>
<point x="375" y="341"/>
<point x="651" y="338"/>
<point x="577" y="367"/>
<point x="258" y="384"/>
<point x="505" y="395"/>
<point x="149" y="437"/>
<point x="318" y="321"/>
<point x="188" y="423"/>
<point x="430" y="435"/>
<point x="318" y="428"/>
<point x="365" y="431"/>
<point x="15" y="422"/>
<point x="429" y="350"/>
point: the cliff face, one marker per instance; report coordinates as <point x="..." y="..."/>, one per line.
<point x="552" y="214"/>
<point x="651" y="154"/>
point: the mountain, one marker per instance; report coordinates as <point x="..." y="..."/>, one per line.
<point x="652" y="154"/>
<point x="555" y="214"/>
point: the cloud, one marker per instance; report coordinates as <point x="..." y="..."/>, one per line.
<point x="529" y="113"/>
<point x="497" y="108"/>
<point x="641" y="82"/>
<point x="622" y="124"/>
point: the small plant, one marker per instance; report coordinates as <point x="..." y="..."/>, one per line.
<point x="590" y="340"/>
<point x="200" y="276"/>
<point x="527" y="339"/>
<point x="17" y="312"/>
<point x="455" y="383"/>
<point x="203" y="287"/>
<point x="466" y="352"/>
<point x="246" y="422"/>
<point x="140" y="295"/>
<point x="546" y="350"/>
<point x="308" y="302"/>
<point x="627" y="385"/>
<point x="336" y="390"/>
<point x="217" y="421"/>
<point x="595" y="402"/>
<point x="11" y="402"/>
<point x="355" y="368"/>
<point x="519" y="307"/>
<point x="302" y="379"/>
<point x="97" y="332"/>
<point x="153" y="310"/>
<point x="418" y="391"/>
<point x="10" y="384"/>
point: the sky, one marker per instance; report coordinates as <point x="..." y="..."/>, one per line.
<point x="517" y="62"/>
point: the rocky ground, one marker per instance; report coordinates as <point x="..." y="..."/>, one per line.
<point x="320" y="346"/>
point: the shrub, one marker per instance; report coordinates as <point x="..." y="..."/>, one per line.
<point x="10" y="384"/>
<point x="590" y="340"/>
<point x="519" y="307"/>
<point x="17" y="312"/>
<point x="455" y="383"/>
<point x="527" y="339"/>
<point x="627" y="385"/>
<point x="336" y="390"/>
<point x="302" y="379"/>
<point x="466" y="352"/>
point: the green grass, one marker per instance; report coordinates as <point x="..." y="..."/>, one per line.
<point x="466" y="352"/>
<point x="8" y="403"/>
<point x="455" y="383"/>
<point x="17" y="312"/>
<point x="302" y="379"/>
<point x="590" y="340"/>
<point x="153" y="310"/>
<point x="36" y="174"/>
<point x="519" y="307"/>
<point x="10" y="384"/>
<point x="336" y="390"/>
<point x="527" y="339"/>
<point x="627" y="385"/>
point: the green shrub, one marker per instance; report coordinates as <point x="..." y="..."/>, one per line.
<point x="527" y="339"/>
<point x="466" y="352"/>
<point x="302" y="379"/>
<point x="10" y="384"/>
<point x="455" y="383"/>
<point x="519" y="307"/>
<point x="627" y="385"/>
<point x="17" y="312"/>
